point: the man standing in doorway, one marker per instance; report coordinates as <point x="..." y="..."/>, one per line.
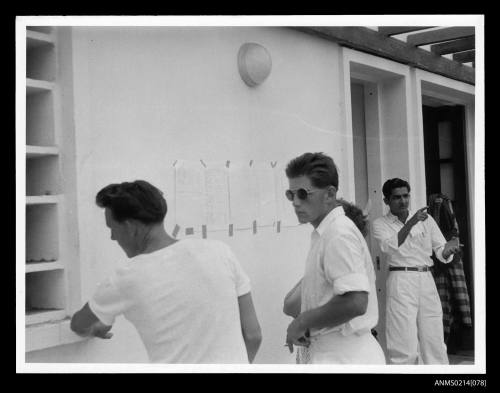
<point x="413" y="310"/>
<point x="335" y="304"/>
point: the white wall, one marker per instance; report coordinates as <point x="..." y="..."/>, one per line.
<point x="144" y="97"/>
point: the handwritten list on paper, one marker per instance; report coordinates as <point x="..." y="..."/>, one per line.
<point x="217" y="196"/>
<point x="243" y="195"/>
<point x="264" y="174"/>
<point x="212" y="196"/>
<point x="190" y="206"/>
<point x="285" y="212"/>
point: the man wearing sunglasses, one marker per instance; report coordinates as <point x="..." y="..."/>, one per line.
<point x="334" y="305"/>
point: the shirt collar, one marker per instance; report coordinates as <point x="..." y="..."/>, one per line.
<point x="329" y="218"/>
<point x="392" y="218"/>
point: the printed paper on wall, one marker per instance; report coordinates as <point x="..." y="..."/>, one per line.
<point x="243" y="195"/>
<point x="217" y="195"/>
<point x="190" y="204"/>
<point x="267" y="208"/>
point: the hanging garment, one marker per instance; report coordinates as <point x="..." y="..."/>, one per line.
<point x="449" y="278"/>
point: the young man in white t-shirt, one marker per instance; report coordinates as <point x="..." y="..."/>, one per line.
<point x="189" y="300"/>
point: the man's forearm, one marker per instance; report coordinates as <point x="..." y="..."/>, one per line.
<point x="292" y="303"/>
<point x="404" y="232"/>
<point x="252" y="346"/>
<point x="339" y="310"/>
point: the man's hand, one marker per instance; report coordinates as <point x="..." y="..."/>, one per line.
<point x="85" y="323"/>
<point x="420" y="215"/>
<point x="97" y="329"/>
<point x="297" y="334"/>
<point x="451" y="247"/>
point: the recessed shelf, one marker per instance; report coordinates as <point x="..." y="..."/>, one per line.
<point x="50" y="334"/>
<point x="32" y="267"/>
<point x="42" y="233"/>
<point x="45" y="299"/>
<point x="41" y="29"/>
<point x="40" y="124"/>
<point x="40" y="57"/>
<point x="43" y="176"/>
<point x="44" y="315"/>
<point x="41" y="151"/>
<point x="36" y="39"/>
<point x="42" y="200"/>
<point x="35" y="86"/>
<point x="45" y="276"/>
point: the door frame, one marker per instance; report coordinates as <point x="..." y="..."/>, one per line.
<point x="458" y="93"/>
<point x="389" y="129"/>
<point x="382" y="78"/>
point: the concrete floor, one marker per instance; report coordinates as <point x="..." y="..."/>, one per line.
<point x="461" y="357"/>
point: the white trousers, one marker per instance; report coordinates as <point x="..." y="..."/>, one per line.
<point x="414" y="319"/>
<point x="335" y="348"/>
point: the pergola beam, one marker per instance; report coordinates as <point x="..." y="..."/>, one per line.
<point x="434" y="36"/>
<point x="370" y="41"/>
<point x="465" y="57"/>
<point x="453" y="46"/>
<point x="393" y="30"/>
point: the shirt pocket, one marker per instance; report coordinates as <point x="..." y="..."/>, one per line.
<point x="421" y="239"/>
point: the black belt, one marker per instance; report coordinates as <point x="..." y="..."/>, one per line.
<point x="410" y="269"/>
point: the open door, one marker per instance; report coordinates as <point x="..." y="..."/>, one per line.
<point x="446" y="173"/>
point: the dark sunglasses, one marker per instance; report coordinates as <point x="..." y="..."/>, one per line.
<point x="301" y="193"/>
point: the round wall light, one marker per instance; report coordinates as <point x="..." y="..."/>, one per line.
<point x="254" y="63"/>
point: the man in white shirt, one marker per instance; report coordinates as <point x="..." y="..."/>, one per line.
<point x="413" y="309"/>
<point x="189" y="300"/>
<point x="335" y="304"/>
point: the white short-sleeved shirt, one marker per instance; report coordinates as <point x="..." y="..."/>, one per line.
<point x="183" y="301"/>
<point x="416" y="250"/>
<point x="338" y="262"/>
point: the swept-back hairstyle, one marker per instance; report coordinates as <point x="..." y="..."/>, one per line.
<point x="391" y="184"/>
<point x="133" y="200"/>
<point x="318" y="167"/>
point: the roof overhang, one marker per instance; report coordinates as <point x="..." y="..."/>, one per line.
<point x="373" y="42"/>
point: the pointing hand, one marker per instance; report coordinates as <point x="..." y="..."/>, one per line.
<point x="420" y="215"/>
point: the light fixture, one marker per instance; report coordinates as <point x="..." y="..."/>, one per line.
<point x="254" y="63"/>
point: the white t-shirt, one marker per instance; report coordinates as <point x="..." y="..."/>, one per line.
<point x="183" y="301"/>
<point x="338" y="262"/>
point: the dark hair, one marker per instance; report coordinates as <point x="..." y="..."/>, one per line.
<point x="318" y="167"/>
<point x="391" y="184"/>
<point x="355" y="214"/>
<point x="135" y="200"/>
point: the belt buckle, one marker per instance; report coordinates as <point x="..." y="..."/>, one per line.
<point x="421" y="269"/>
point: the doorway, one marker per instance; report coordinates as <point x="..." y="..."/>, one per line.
<point x="360" y="92"/>
<point x="446" y="173"/>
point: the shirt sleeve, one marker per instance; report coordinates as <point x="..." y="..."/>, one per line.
<point x="438" y="240"/>
<point x="386" y="238"/>
<point x="344" y="264"/>
<point x="241" y="280"/>
<point x="108" y="300"/>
